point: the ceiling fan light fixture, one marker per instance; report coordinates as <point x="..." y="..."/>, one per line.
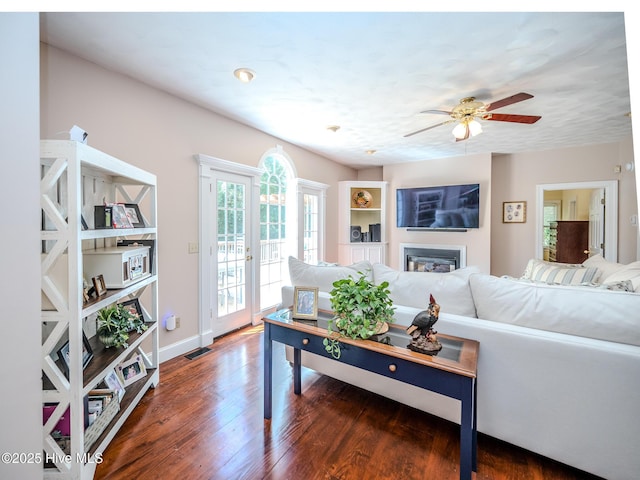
<point x="245" y="75"/>
<point x="475" y="128"/>
<point x="460" y="130"/>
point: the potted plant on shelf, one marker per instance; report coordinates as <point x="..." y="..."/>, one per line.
<point x="361" y="310"/>
<point x="114" y="324"/>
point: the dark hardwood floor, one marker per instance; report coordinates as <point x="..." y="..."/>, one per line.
<point x="205" y="421"/>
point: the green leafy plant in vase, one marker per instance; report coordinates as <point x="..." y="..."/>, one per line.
<point x="115" y="322"/>
<point x="361" y="309"/>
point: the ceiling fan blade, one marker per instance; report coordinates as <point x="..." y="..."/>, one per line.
<point x="518" y="97"/>
<point x="437" y="112"/>
<point x="502" y="117"/>
<point x="428" y="128"/>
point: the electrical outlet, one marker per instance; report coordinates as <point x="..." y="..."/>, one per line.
<point x="177" y="322"/>
<point x="193" y="247"/>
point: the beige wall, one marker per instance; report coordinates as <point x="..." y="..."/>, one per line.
<point x="515" y="176"/>
<point x="450" y="171"/>
<point x="161" y="133"/>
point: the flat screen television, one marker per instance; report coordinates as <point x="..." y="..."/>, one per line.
<point x="446" y="207"/>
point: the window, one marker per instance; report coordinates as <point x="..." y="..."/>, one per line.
<point x="291" y="223"/>
<point x="311" y="198"/>
<point x="274" y="208"/>
<point x="310" y="241"/>
<point x="551" y="213"/>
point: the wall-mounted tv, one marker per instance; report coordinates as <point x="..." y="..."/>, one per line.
<point x="446" y="207"/>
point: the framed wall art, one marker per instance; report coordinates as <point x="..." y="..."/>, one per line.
<point x="514" y="212"/>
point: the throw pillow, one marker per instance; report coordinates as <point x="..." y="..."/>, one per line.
<point x="533" y="263"/>
<point x="627" y="272"/>
<point x="606" y="267"/>
<point x="305" y="275"/>
<point x="549" y="273"/>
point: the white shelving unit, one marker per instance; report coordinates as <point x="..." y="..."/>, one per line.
<point x="351" y="248"/>
<point x="74" y="178"/>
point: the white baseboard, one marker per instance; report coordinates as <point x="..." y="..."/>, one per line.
<point x="185" y="346"/>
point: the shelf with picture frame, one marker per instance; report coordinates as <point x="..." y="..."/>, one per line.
<point x="74" y="178"/>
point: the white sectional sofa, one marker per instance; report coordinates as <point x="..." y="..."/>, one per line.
<point x="559" y="365"/>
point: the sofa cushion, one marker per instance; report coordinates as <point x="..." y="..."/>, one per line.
<point x="586" y="312"/>
<point x="305" y="275"/>
<point x="451" y="289"/>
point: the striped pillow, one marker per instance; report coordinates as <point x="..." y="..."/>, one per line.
<point x="563" y="276"/>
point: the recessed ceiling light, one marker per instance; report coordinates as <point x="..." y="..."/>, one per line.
<point x="245" y="75"/>
<point x="371" y="152"/>
<point x="333" y="128"/>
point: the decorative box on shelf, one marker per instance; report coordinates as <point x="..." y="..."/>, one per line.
<point x="120" y="266"/>
<point x="109" y="411"/>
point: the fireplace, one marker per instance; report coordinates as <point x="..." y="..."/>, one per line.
<point x="432" y="258"/>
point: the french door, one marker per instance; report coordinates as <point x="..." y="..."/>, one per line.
<point x="232" y="266"/>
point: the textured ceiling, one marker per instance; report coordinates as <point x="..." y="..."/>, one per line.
<point x="372" y="73"/>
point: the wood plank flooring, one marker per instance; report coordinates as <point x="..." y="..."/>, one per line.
<point x="205" y="421"/>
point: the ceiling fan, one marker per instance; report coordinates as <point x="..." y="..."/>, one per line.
<point x="469" y="111"/>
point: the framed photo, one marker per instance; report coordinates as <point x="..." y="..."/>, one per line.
<point x="119" y="216"/>
<point x="99" y="285"/>
<point x="133" y="214"/>
<point x="112" y="380"/>
<point x="131" y="370"/>
<point x="87" y="354"/>
<point x="305" y="303"/>
<point x="134" y="307"/>
<point x="514" y="212"/>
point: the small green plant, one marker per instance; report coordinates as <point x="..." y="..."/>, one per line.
<point x="114" y="324"/>
<point x="361" y="310"/>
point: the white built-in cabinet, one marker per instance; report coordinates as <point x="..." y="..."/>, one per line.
<point x="74" y="178"/>
<point x="362" y="221"/>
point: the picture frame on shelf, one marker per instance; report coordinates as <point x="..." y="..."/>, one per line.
<point x="134" y="307"/>
<point x="514" y="212"/>
<point x="305" y="303"/>
<point x="119" y="216"/>
<point x="113" y="381"/>
<point x="87" y="354"/>
<point x="102" y="215"/>
<point x="99" y="285"/>
<point x="133" y="214"/>
<point x="131" y="370"/>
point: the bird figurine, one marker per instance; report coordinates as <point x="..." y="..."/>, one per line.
<point x="423" y="336"/>
<point x="426" y="319"/>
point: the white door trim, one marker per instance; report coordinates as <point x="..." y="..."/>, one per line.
<point x="611" y="215"/>
<point x="207" y="166"/>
